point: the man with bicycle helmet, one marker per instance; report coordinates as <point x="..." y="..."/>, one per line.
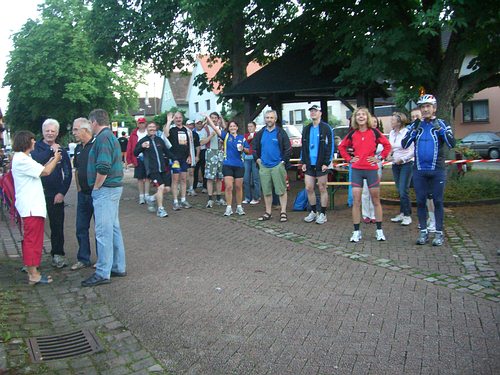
<point x="430" y="136"/>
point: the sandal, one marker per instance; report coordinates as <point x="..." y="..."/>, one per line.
<point x="265" y="217"/>
<point x="44" y="280"/>
<point x="283" y="217"/>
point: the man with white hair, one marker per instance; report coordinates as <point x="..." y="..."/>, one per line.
<point x="55" y="187"/>
<point x="82" y="131"/>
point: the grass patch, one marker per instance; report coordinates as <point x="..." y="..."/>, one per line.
<point x="475" y="185"/>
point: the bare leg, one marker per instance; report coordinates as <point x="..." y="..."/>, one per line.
<point x="175" y="183"/>
<point x="140" y="186"/>
<point x="323" y="193"/>
<point x="238" y="183"/>
<point x="375" y="194"/>
<point x="283" y="200"/>
<point x="309" y="182"/>
<point x="183" y="184"/>
<point x="268" y="200"/>
<point x="210" y="187"/>
<point x="356" y="204"/>
<point x="218" y="186"/>
<point x="146" y="186"/>
<point x="159" y="195"/>
<point x="228" y="181"/>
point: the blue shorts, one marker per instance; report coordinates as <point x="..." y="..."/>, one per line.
<point x="182" y="169"/>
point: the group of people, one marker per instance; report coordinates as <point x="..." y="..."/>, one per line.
<point x="178" y="157"/>
<point x="42" y="175"/>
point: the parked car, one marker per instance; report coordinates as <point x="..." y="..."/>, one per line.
<point x="295" y="139"/>
<point x="486" y="144"/>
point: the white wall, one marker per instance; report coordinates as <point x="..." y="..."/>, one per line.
<point x="337" y="108"/>
<point x="194" y="97"/>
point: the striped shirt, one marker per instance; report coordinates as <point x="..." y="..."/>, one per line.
<point x="105" y="158"/>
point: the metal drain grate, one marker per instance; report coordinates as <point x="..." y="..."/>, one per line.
<point x="48" y="348"/>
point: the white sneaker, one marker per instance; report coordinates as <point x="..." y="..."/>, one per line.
<point x="239" y="210"/>
<point x="229" y="211"/>
<point x="210" y="204"/>
<point x="204" y="191"/>
<point x="380" y="235"/>
<point x="431" y="226"/>
<point x="311" y="217"/>
<point x="321" y="218"/>
<point x="356" y="236"/>
<point x="199" y="186"/>
<point x="192" y="193"/>
<point x="255" y="201"/>
<point x="398" y="218"/>
<point x="151" y="200"/>
<point x="141" y="199"/>
<point x="246" y="201"/>
<point x="406" y="220"/>
<point x="161" y="212"/>
<point x="221" y="202"/>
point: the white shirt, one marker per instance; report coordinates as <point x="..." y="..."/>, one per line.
<point x="203" y="135"/>
<point x="398" y="152"/>
<point x="30" y="200"/>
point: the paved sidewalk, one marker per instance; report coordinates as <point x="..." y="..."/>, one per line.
<point x="61" y="307"/>
<point x="206" y="294"/>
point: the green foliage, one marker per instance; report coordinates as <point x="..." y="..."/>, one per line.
<point x="466" y="152"/>
<point x="53" y="70"/>
<point x="128" y="120"/>
<point x="405" y="44"/>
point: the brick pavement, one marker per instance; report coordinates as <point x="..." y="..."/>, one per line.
<point x="211" y="295"/>
<point x="61" y="307"/>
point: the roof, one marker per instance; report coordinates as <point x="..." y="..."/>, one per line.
<point x="289" y="75"/>
<point x="212" y="66"/>
<point x="179" y="84"/>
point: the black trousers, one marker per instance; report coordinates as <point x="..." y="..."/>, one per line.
<point x="55" y="213"/>
<point x="200" y="165"/>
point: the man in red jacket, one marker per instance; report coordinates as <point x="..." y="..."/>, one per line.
<point x="138" y="162"/>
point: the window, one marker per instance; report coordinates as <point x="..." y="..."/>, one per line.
<point x="208" y="104"/>
<point x="197" y="107"/>
<point x="299" y="115"/>
<point x="476" y="111"/>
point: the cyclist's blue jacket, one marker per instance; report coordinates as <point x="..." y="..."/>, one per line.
<point x="430" y="137"/>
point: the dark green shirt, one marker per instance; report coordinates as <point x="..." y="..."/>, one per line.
<point x="105" y="158"/>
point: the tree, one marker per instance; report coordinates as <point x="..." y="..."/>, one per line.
<point x="53" y="70"/>
<point x="409" y="44"/>
<point x="405" y="44"/>
<point x="170" y="33"/>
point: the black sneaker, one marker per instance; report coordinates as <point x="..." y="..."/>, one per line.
<point x="95" y="280"/>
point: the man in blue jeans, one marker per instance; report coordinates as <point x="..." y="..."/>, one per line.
<point x="430" y="136"/>
<point x="82" y="131"/>
<point x="105" y="175"/>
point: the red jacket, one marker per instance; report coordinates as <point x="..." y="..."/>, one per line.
<point x="132" y="141"/>
<point x="364" y="145"/>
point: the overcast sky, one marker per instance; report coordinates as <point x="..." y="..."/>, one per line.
<point x="14" y="15"/>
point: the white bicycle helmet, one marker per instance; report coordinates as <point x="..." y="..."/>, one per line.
<point x="427" y="99"/>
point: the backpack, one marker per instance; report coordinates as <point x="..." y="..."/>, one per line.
<point x="301" y="201"/>
<point x="8" y="192"/>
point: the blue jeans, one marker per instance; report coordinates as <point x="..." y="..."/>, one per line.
<point x="84" y="213"/>
<point x="251" y="180"/>
<point x="402" y="177"/>
<point x="425" y="183"/>
<point x="110" y="248"/>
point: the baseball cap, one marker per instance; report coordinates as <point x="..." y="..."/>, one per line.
<point x="189" y="122"/>
<point x="141" y="120"/>
<point x="315" y="107"/>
